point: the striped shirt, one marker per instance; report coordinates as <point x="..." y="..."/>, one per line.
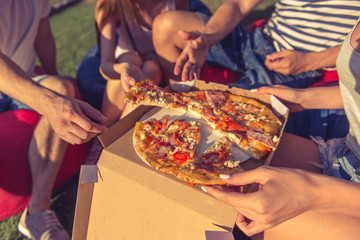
<point x="311" y="25"/>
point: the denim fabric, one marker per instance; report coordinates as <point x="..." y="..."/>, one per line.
<point x="325" y="123"/>
<point x="91" y="83"/>
<point x="245" y="52"/>
<point x="7" y="103"/>
<point x="337" y="159"/>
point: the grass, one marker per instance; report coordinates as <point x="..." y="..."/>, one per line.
<point x="73" y="29"/>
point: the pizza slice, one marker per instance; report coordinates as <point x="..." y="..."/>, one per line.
<point x="167" y="144"/>
<point x="205" y="169"/>
<point x="146" y="92"/>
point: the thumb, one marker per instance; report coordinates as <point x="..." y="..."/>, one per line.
<point x="188" y="35"/>
<point x="258" y="175"/>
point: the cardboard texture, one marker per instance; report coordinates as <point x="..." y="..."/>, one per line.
<point x="132" y="201"/>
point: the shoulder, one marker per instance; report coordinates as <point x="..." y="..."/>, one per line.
<point x="103" y="15"/>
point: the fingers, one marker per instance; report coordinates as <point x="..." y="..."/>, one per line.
<point x="249" y="229"/>
<point x="180" y="61"/>
<point x="272" y="90"/>
<point x="91" y="112"/>
<point x="188" y="35"/>
<point x="258" y="175"/>
<point x="82" y="125"/>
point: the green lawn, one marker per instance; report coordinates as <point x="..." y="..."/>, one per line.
<point x="74" y="32"/>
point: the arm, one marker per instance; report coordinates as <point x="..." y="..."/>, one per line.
<point x="290" y="62"/>
<point x="308" y="98"/>
<point x="224" y="20"/>
<point x="127" y="66"/>
<point x="285" y="193"/>
<point x="69" y="117"/>
<point x="45" y="47"/>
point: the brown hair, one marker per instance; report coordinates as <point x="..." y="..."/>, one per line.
<point x="115" y="9"/>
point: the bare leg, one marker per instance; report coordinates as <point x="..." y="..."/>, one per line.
<point x="314" y="226"/>
<point x="113" y="101"/>
<point x="167" y="43"/>
<point x="46" y="153"/>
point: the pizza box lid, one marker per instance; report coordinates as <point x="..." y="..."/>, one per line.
<point x="121" y="184"/>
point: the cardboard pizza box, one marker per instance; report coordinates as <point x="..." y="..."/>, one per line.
<point x="123" y="198"/>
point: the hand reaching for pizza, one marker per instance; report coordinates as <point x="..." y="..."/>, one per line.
<point x="130" y="74"/>
<point x="73" y="120"/>
<point x="193" y="56"/>
<point x="287" y="62"/>
<point x="283" y="194"/>
<point x="291" y="97"/>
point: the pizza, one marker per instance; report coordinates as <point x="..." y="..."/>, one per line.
<point x="171" y="146"/>
<point x="167" y="144"/>
<point x="242" y="121"/>
<point x="206" y="168"/>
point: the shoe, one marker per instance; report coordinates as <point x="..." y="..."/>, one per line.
<point x="42" y="226"/>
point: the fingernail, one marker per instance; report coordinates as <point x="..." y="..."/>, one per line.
<point x="202" y="188"/>
<point x="224" y="176"/>
<point x="253" y="90"/>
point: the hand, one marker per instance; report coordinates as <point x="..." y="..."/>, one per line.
<point x="129" y="75"/>
<point x="287" y="62"/>
<point x="283" y="194"/>
<point x="291" y="97"/>
<point x="73" y="120"/>
<point x="193" y="56"/>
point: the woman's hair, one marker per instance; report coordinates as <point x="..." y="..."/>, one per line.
<point x="115" y="9"/>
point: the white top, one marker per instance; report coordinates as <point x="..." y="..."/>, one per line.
<point x="349" y="79"/>
<point x="141" y="35"/>
<point x="19" y="22"/>
<point x="311" y="25"/>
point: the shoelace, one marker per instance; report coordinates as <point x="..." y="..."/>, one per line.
<point x="52" y="222"/>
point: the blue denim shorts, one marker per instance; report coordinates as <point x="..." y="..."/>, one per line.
<point x="338" y="160"/>
<point x="245" y="52"/>
<point x="7" y="103"/>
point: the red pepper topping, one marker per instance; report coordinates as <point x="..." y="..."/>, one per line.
<point x="180" y="157"/>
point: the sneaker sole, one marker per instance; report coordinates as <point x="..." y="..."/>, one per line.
<point x="24" y="231"/>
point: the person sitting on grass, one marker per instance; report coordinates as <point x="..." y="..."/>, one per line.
<point x="24" y="34"/>
<point x="127" y="55"/>
<point x="300" y="40"/>
<point x="294" y="201"/>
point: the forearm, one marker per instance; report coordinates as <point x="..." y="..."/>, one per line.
<point x="323" y="59"/>
<point x="15" y="83"/>
<point x="226" y="18"/>
<point x="320" y="98"/>
<point x="111" y="70"/>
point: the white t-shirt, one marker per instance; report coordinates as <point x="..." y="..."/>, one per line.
<point x="19" y="22"/>
<point x="349" y="79"/>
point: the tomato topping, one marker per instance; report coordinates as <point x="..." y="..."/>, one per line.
<point x="234" y="126"/>
<point x="180" y="157"/>
<point x="200" y="96"/>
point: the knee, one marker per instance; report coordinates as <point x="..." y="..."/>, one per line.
<point x="163" y="27"/>
<point x="62" y="85"/>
